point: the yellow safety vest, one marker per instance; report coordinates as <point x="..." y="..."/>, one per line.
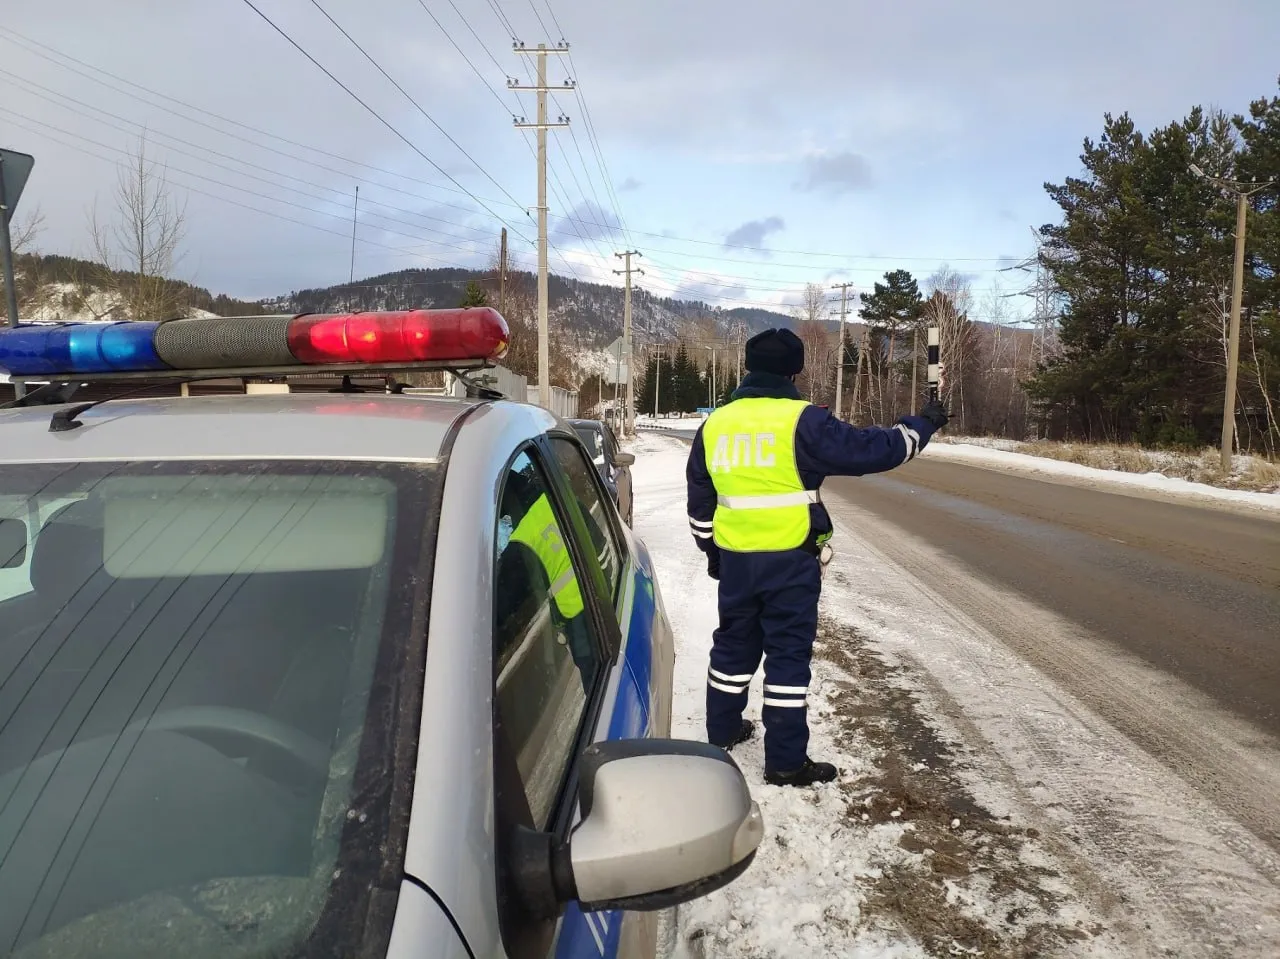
<point x="541" y="533"/>
<point x="761" y="504"/>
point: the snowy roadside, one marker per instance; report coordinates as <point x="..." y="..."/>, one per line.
<point x="898" y="858"/>
<point x="1139" y="484"/>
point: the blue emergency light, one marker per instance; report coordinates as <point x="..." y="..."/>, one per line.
<point x="80" y="348"/>
<point x="412" y="337"/>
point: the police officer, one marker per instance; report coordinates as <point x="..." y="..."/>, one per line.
<point x="754" y="475"/>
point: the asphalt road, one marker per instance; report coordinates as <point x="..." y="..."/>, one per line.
<point x="1190" y="590"/>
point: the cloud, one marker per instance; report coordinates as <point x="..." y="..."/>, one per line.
<point x="754" y="232"/>
<point x="1006" y="214"/>
<point x="587" y="222"/>
<point x="629" y="184"/>
<point x="1007" y="262"/>
<point x="836" y="173"/>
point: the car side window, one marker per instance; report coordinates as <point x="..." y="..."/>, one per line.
<point x="585" y="483"/>
<point x="546" y="652"/>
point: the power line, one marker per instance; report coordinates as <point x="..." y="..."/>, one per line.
<point x="467" y="24"/>
<point x="501" y="103"/>
<point x="474" y="69"/>
<point x="205" y="152"/>
<point x="302" y="159"/>
<point x="224" y="199"/>
<point x="320" y="151"/>
<point x="229" y="186"/>
<point x="379" y="117"/>
<point x="377" y="66"/>
<point x="502" y="19"/>
<point x="574" y="220"/>
<point x="545" y="31"/>
<point x="227" y="120"/>
<point x="617" y="207"/>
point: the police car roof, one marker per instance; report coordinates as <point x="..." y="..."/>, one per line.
<point x="370" y="426"/>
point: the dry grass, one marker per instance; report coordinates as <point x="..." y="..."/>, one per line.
<point x="1261" y="474"/>
<point x="1248" y="472"/>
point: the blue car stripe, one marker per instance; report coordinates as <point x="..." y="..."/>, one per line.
<point x="590" y="935"/>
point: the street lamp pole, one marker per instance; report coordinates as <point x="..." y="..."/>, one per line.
<point x="1243" y="192"/>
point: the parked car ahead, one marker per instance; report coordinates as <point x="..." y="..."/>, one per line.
<point x="613" y="464"/>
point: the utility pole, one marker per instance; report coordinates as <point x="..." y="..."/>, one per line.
<point x="629" y="427"/>
<point x="502" y="274"/>
<point x="1243" y="192"/>
<point x="714" y="394"/>
<point x="351" y="277"/>
<point x="742" y="346"/>
<point x="657" y="381"/>
<point x="857" y="379"/>
<point x="844" y="309"/>
<point x="542" y="126"/>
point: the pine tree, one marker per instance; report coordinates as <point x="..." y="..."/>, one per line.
<point x="645" y="385"/>
<point x="682" y="373"/>
<point x="474" y="296"/>
<point x="892" y="311"/>
<point x="1142" y="251"/>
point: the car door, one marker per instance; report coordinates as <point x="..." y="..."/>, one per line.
<point x="556" y="674"/>
<point x="627" y="712"/>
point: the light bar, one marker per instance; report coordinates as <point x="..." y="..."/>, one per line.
<point x="383" y="339"/>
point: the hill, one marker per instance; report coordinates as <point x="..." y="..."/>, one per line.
<point x="53" y="287"/>
<point x="592" y="312"/>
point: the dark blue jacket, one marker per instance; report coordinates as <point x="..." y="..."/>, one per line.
<point x="824" y="447"/>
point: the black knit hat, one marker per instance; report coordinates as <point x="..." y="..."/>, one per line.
<point x="775" y="351"/>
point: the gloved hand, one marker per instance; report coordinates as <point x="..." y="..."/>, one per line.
<point x="713" y="564"/>
<point x="935" y="413"/>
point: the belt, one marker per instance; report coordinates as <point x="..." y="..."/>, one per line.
<point x="803" y="498"/>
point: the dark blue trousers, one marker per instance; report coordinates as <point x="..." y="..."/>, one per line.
<point x="769" y="608"/>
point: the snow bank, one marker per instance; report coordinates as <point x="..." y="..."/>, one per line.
<point x="1136" y="484"/>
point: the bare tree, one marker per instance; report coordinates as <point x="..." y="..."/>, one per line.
<point x="23" y="233"/>
<point x="1272" y="439"/>
<point x="816" y="380"/>
<point x="947" y="308"/>
<point x="138" y="244"/>
<point x="28" y="281"/>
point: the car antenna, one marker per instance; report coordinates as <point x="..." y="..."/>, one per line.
<point x="67" y="418"/>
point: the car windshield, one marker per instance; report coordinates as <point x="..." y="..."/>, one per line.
<point x="594" y="442"/>
<point x="188" y="653"/>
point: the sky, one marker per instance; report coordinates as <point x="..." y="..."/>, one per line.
<point x="744" y="147"/>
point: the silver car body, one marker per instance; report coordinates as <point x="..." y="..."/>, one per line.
<point x="447" y="904"/>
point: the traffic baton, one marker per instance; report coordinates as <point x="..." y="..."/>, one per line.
<point x="934" y="374"/>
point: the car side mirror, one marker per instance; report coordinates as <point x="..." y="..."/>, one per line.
<point x="663" y="822"/>
<point x="624" y="459"/>
<point x="13" y="543"/>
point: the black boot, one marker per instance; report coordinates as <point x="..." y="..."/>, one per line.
<point x="806" y="775"/>
<point x="746" y="733"/>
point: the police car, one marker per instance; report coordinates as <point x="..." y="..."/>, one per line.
<point x="338" y="674"/>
